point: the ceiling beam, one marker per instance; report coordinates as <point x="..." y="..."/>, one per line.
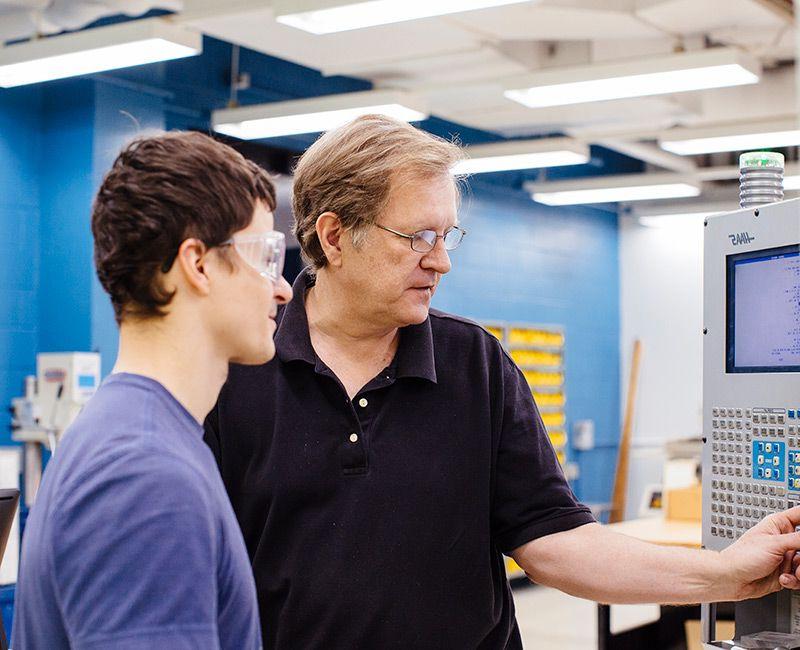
<point x="649" y="153"/>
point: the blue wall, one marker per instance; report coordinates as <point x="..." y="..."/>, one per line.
<point x="530" y="263"/>
<point x="119" y="115"/>
<point x="85" y="123"/>
<point x="522" y="261"/>
<point x="66" y="194"/>
<point x="20" y="145"/>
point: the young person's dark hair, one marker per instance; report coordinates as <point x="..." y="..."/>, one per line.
<point x="160" y="191"/>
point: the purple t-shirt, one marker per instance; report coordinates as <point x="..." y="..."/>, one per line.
<point x="132" y="542"/>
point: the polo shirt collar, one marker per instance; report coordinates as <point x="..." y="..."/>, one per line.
<point x="292" y="340"/>
<point x="415" y="353"/>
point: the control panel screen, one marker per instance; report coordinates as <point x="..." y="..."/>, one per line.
<point x="763" y="311"/>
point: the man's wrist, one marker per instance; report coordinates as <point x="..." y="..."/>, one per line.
<point x="724" y="586"/>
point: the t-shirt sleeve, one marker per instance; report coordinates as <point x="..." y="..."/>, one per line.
<point x="531" y="496"/>
<point x="135" y="550"/>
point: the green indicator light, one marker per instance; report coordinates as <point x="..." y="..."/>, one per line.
<point x="766" y="159"/>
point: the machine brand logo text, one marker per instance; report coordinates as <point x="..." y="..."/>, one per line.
<point x="738" y="238"/>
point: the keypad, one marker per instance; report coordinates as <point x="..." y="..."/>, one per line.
<point x="794" y="470"/>
<point x="754" y="466"/>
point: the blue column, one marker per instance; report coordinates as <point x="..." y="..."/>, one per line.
<point x="20" y="144"/>
<point x="86" y="123"/>
<point x="120" y="115"/>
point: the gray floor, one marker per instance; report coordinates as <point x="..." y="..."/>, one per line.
<point x="551" y="620"/>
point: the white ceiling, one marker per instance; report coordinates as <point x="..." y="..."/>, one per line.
<point x="24" y="18"/>
<point x="457" y="62"/>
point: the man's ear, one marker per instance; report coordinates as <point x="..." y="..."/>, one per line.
<point x="191" y="265"/>
<point x="330" y="231"/>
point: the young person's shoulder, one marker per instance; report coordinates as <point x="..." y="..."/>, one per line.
<point x="132" y="477"/>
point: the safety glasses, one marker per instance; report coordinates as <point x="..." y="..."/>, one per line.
<point x="265" y="252"/>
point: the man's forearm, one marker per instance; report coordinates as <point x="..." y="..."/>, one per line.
<point x="595" y="563"/>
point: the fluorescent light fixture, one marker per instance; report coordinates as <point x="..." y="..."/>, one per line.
<point x="94" y="50"/>
<point x="522" y="154"/>
<point x="674" y="220"/>
<point x="738" y="137"/>
<point x="315" y="114"/>
<point x="713" y="68"/>
<point x="328" y="16"/>
<point x="791" y="183"/>
<point x="613" y="189"/>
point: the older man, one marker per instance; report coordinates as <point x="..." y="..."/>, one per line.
<point x="393" y="452"/>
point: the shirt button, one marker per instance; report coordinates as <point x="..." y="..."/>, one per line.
<point x="363" y="402"/>
<point x="353" y="437"/>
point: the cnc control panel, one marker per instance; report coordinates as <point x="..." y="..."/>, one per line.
<point x="755" y="466"/>
<point x="751" y="369"/>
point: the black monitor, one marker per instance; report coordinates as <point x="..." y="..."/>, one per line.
<point x="9" y="499"/>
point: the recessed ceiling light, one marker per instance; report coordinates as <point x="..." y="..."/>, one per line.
<point x="94" y="50"/>
<point x="328" y="16"/>
<point x="315" y="114"/>
<point x="713" y="68"/>
<point x="736" y="137"/>
<point x="613" y="189"/>
<point x="522" y="154"/>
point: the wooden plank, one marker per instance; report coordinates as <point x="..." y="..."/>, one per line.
<point x="623" y="458"/>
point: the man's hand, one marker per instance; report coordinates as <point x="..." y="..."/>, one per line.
<point x="763" y="560"/>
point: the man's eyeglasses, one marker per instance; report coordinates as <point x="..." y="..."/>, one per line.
<point x="424" y="241"/>
<point x="266" y="253"/>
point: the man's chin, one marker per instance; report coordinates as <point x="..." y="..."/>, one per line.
<point x="416" y="316"/>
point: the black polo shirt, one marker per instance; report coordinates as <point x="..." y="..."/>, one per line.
<point x="379" y="523"/>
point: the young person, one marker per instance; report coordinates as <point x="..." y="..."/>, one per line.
<point x="132" y="542"/>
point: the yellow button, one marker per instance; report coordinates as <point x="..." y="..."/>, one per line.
<point x="353" y="437"/>
<point x="363" y="402"/>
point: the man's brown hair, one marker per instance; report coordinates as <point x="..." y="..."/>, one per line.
<point x="160" y="191"/>
<point x="350" y="170"/>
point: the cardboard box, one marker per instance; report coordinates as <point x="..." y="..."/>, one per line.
<point x="725" y="631"/>
<point x="685" y="503"/>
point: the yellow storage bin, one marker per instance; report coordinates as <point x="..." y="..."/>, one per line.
<point x="558" y="438"/>
<point x="513" y="569"/>
<point x="549" y="399"/>
<point x="496" y="332"/>
<point x="525" y="336"/>
<point x="543" y="378"/>
<point x="535" y="358"/>
<point x="556" y="419"/>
